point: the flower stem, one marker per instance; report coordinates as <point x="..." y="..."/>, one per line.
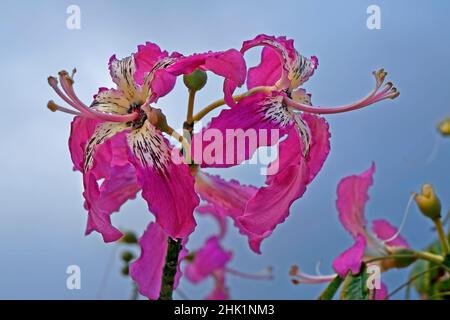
<point x="170" y="269"/>
<point x="416" y="254"/>
<point x="442" y="237"/>
<point x="190" y="109"/>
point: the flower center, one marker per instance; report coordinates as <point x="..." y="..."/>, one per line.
<point x="142" y="116"/>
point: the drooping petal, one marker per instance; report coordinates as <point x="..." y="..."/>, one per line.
<point x="109" y="154"/>
<point x="270" y="205"/>
<point x="268" y="72"/>
<point x="320" y="143"/>
<point x="235" y="134"/>
<point x="122" y="73"/>
<point x="167" y="184"/>
<point x="102" y="133"/>
<point x="351" y="259"/>
<point x="99" y="210"/>
<point x="82" y="130"/>
<point x="147" y="270"/>
<point x="385" y="230"/>
<point x="352" y="195"/>
<point x="210" y="258"/>
<point x="296" y="68"/>
<point x="228" y="197"/>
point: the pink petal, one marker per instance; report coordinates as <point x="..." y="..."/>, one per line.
<point x="320" y="143"/>
<point x="352" y="195"/>
<point x="147" y="270"/>
<point x="111" y="164"/>
<point x="210" y="258"/>
<point x="351" y="259"/>
<point x="81" y="131"/>
<point x="270" y="205"/>
<point x="145" y="58"/>
<point x="163" y="82"/>
<point x="268" y="72"/>
<point x="384" y="230"/>
<point x="296" y="68"/>
<point x="220" y="291"/>
<point x="225" y="198"/>
<point x="228" y="64"/>
<point x="98" y="219"/>
<point x="167" y="184"/>
<point x="382" y="293"/>
<point x="234" y="135"/>
<point x="228" y="197"/>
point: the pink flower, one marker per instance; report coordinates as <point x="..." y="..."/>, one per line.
<point x="277" y="103"/>
<point x="379" y="240"/>
<point x="211" y="261"/>
<point x="118" y="138"/>
<point x="147" y="270"/>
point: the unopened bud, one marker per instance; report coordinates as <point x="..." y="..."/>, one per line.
<point x="428" y="202"/>
<point x="125" y="270"/>
<point x="127" y="256"/>
<point x="196" y="80"/>
<point x="129" y="237"/>
<point x="444" y="127"/>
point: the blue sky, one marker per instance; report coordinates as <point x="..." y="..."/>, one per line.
<point x="42" y="218"/>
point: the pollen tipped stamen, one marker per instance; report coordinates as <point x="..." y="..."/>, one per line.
<point x="388" y="92"/>
<point x="264" y="275"/>
<point x="52" y="106"/>
<point x="71" y="99"/>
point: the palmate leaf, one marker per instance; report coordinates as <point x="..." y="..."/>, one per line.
<point x="355" y="286"/>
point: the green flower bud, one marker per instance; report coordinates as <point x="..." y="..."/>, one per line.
<point x="129" y="237"/>
<point x="127" y="256"/>
<point x="125" y="270"/>
<point x="428" y="203"/>
<point x="196" y="80"/>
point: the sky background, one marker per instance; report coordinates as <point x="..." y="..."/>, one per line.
<point x="42" y="219"/>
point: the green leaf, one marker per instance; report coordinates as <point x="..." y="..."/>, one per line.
<point x="331" y="289"/>
<point x="355" y="286"/>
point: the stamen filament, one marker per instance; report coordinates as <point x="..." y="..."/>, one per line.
<point x="266" y="276"/>
<point x="388" y="92"/>
<point x="402" y="224"/>
<point x="71" y="99"/>
<point x="54" y="107"/>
